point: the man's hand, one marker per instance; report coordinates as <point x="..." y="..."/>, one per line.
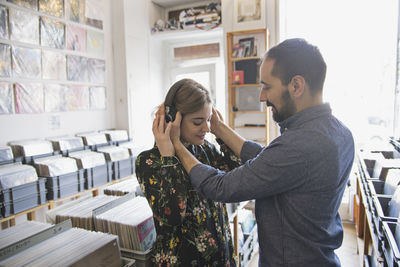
<point x="216" y="122"/>
<point x="161" y="132"/>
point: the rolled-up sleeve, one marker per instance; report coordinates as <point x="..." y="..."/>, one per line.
<point x="269" y="172"/>
<point x="250" y="150"/>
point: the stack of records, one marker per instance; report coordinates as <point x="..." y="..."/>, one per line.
<point x="116" y="136"/>
<point x="55" y="166"/>
<point x="121" y="160"/>
<point x="93" y="139"/>
<point x="81" y="214"/>
<point x="67" y="144"/>
<point x="27" y="150"/>
<point x="96" y="171"/>
<point x="134" y="151"/>
<point x="20" y="188"/>
<point x="69" y="247"/>
<point x="62" y="176"/>
<point x="132" y="221"/>
<point x="124" y="187"/>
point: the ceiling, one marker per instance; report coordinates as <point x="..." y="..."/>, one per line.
<point x="171" y="3"/>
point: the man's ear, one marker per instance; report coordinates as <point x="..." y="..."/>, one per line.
<point x="297" y="86"/>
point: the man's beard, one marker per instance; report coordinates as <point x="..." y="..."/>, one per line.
<point x="288" y="108"/>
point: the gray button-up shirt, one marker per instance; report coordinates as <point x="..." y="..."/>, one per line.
<point x="298" y="183"/>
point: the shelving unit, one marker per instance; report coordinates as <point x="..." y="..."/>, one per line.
<point x="246" y="114"/>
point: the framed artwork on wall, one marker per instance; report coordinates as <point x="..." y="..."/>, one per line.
<point x="248" y="14"/>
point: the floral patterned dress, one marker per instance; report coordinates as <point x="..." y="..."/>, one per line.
<point x="191" y="230"/>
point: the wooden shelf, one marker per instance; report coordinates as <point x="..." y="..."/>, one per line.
<point x="234" y="59"/>
<point x="261" y="38"/>
<point x="248" y="111"/>
<point x="249" y="127"/>
<point x="246" y="85"/>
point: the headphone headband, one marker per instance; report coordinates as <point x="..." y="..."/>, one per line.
<point x="170" y="109"/>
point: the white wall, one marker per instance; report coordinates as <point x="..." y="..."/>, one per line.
<point x="27" y="126"/>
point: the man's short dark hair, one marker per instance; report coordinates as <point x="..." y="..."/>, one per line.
<point x="298" y="57"/>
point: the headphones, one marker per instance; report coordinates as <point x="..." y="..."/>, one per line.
<point x="170" y="109"/>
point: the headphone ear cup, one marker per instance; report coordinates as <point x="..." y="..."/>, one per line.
<point x="170" y="110"/>
<point x="170" y="114"/>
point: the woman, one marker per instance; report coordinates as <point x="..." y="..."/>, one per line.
<point x="191" y="230"/>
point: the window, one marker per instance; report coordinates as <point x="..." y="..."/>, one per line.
<point x="358" y="40"/>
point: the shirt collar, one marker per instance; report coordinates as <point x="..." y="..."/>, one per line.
<point x="304" y="116"/>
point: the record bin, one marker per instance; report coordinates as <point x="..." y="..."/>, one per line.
<point x="390" y="244"/>
<point x="6" y="155"/>
<point x="65" y="185"/>
<point x="143" y="259"/>
<point x="98" y="175"/>
<point x="23" y="197"/>
<point x="122" y="168"/>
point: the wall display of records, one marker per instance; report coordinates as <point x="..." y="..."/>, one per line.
<point x="52" y="56"/>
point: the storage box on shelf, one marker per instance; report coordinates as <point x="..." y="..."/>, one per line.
<point x="120" y="159"/>
<point x="20" y="189"/>
<point x="67" y="144"/>
<point x="62" y="176"/>
<point x="127" y="186"/>
<point x="391" y="243"/>
<point x="93" y="140"/>
<point x="6" y="155"/>
<point x="134" y="151"/>
<point x="246" y="114"/>
<point x="96" y="170"/>
<point x="31" y="246"/>
<point x="116" y="137"/>
<point x="376" y="202"/>
<point x="364" y="218"/>
<point x="29" y="150"/>
<point x="142" y="259"/>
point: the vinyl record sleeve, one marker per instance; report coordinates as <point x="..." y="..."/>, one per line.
<point x="33" y="4"/>
<point x="52" y="7"/>
<point x="52" y="33"/>
<point x="6" y="98"/>
<point x="97" y="97"/>
<point x="3" y="22"/>
<point x="54" y="65"/>
<point x="5" y="60"/>
<point x="77" y="98"/>
<point x="75" y="10"/>
<point x="76" y="38"/>
<point x="26" y="62"/>
<point x="96" y="70"/>
<point x="24" y="26"/>
<point x="55" y="97"/>
<point x="95" y="43"/>
<point x="28" y="98"/>
<point x="77" y="68"/>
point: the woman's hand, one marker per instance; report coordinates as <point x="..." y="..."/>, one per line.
<point x="161" y="131"/>
<point x="175" y="133"/>
<point x="216" y="121"/>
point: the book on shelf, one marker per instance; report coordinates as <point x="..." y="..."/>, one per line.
<point x="238" y="77"/>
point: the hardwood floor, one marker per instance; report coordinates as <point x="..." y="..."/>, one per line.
<point x="347" y="252"/>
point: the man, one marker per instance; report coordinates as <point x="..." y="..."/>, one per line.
<point x="298" y="180"/>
